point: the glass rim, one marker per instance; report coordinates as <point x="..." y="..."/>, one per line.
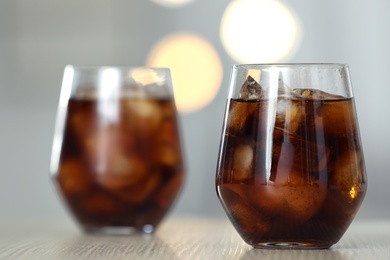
<point x="117" y="67"/>
<point x="291" y="65"/>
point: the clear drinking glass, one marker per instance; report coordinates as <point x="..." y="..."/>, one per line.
<point x="116" y="159"/>
<point x="291" y="171"/>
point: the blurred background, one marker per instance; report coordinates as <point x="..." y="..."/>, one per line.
<point x="199" y="40"/>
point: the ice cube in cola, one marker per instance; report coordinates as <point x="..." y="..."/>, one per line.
<point x="120" y="167"/>
<point x="290" y="167"/>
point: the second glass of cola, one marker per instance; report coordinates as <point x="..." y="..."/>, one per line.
<point x="117" y="161"/>
<point x="291" y="171"/>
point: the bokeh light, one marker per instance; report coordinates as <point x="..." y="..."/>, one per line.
<point x="255" y="31"/>
<point x="196" y="69"/>
<point x="172" y="3"/>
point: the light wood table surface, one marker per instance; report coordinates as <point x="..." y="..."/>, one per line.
<point x="177" y="238"/>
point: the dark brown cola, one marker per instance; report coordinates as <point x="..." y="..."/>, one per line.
<point x="291" y="169"/>
<point x="120" y="163"/>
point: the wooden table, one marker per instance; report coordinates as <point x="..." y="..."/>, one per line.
<point x="177" y="238"/>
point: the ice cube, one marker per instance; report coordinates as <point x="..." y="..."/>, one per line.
<point x="242" y="163"/>
<point x="290" y="202"/>
<point x="294" y="158"/>
<point x="348" y="173"/>
<point x="251" y="89"/>
<point x="337" y="118"/>
<point x="287" y="160"/>
<point x="73" y="177"/>
<point x="304" y="201"/>
<point x="167" y="149"/>
<point x="316" y="94"/>
<point x="289" y="114"/>
<point x="268" y="199"/>
<point x="168" y="154"/>
<point x="82" y="121"/>
<point x="284" y="91"/>
<point x="241" y="116"/>
<point x="235" y="198"/>
<point x="138" y="192"/>
<point x="115" y="158"/>
<point x="142" y="115"/>
<point x="117" y="170"/>
<point x="300" y="188"/>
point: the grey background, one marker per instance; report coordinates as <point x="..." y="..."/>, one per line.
<point x="39" y="37"/>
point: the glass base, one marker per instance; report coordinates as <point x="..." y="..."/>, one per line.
<point x="119" y="231"/>
<point x="291" y="245"/>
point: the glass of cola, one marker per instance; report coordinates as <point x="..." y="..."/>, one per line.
<point x="117" y="160"/>
<point x="290" y="171"/>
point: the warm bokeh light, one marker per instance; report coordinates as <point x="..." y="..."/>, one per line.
<point x="172" y="3"/>
<point x="255" y="31"/>
<point x="195" y="66"/>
